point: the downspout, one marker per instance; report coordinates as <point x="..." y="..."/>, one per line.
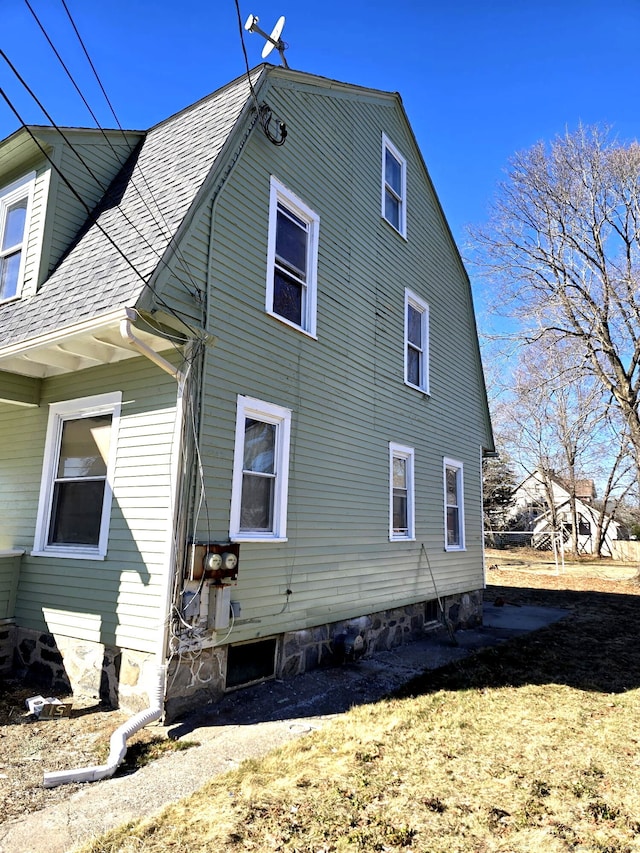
<point x="118" y="740"/>
<point x="131" y="338"/>
<point x="117" y="743"/>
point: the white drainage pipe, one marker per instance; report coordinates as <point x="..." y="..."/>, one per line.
<point x="118" y="742"/>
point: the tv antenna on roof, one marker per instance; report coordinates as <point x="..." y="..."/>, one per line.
<point x="273" y="40"/>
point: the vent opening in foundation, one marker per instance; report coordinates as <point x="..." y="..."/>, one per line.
<point x="248" y="663"/>
<point x="432" y="616"/>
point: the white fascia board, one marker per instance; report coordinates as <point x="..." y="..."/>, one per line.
<point x="94" y="324"/>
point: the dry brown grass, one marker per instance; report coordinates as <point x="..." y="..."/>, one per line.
<point x="529" y="747"/>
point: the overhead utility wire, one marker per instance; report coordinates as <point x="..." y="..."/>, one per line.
<point x="69" y="75"/>
<point x="72" y="147"/>
<point x="89" y="211"/>
<point x="168" y="232"/>
<point x="173" y="245"/>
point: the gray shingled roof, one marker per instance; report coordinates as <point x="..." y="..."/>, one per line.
<point x="170" y="167"/>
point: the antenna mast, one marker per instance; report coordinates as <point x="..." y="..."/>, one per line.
<point x="273" y="40"/>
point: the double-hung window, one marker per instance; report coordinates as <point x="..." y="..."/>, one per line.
<point x="453" y="505"/>
<point x="77" y="476"/>
<point x="394" y="186"/>
<point x="260" y="472"/>
<point x="401" y="492"/>
<point x="292" y="259"/>
<point x="416" y="342"/>
<point x="15" y="202"/>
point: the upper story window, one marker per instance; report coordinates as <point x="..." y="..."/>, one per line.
<point x="401" y="487"/>
<point x="394" y="186"/>
<point x="75" y="493"/>
<point x="15" y="202"/>
<point x="453" y="505"/>
<point x="292" y="259"/>
<point x="260" y="472"/>
<point x="416" y="342"/>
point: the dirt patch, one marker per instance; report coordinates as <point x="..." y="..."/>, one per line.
<point x="29" y="747"/>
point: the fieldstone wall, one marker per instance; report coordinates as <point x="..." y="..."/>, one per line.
<point x="60" y="665"/>
<point x="195" y="679"/>
<point x="339" y="642"/>
<point x="7" y="643"/>
<point x="119" y="677"/>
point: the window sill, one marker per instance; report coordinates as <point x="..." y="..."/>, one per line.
<point x="291" y="325"/>
<point x="68" y="554"/>
<point x="402" y="539"/>
<point x="454" y="548"/>
<point x="14" y="298"/>
<point x="425" y="391"/>
<point x="397" y="231"/>
<point x="245" y="537"/>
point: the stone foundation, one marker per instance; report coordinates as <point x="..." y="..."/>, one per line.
<point x="7" y="644"/>
<point x="122" y="678"/>
<point x="338" y="642"/>
<point x="198" y="678"/>
<point x="116" y="677"/>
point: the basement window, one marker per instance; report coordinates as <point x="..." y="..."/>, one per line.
<point x="249" y="663"/>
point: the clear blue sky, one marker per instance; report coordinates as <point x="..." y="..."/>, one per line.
<point x="479" y="80"/>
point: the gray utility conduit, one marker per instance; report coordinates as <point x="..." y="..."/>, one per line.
<point x="118" y="742"/>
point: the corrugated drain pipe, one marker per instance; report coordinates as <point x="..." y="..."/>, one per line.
<point x="118" y="742"/>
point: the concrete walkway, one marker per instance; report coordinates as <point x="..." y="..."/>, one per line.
<point x="250" y="723"/>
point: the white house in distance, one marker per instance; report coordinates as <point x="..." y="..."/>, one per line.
<point x="531" y="507"/>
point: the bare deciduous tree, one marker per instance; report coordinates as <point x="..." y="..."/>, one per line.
<point x="563" y="246"/>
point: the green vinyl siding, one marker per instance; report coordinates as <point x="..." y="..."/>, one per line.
<point x="116" y="601"/>
<point x="21" y="390"/>
<point x="346" y="390"/>
<point x="104" y="159"/>
<point x="9" y="575"/>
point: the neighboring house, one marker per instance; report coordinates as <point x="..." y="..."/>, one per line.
<point x="243" y="409"/>
<point x="532" y="510"/>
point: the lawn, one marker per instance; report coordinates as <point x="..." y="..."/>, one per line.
<point x="532" y="746"/>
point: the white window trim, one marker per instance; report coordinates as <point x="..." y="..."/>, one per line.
<point x="280" y="194"/>
<point x="420" y="305"/>
<point x="387" y="145"/>
<point x="23" y="187"/>
<point x="281" y="417"/>
<point x="453" y="463"/>
<point x="407" y="453"/>
<point x="102" y="404"/>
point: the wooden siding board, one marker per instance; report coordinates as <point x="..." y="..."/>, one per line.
<point x="122" y="594"/>
<point x="346" y="389"/>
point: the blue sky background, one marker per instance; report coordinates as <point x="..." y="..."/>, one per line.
<point x="479" y="80"/>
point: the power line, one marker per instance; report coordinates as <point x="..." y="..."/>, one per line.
<point x="168" y="231"/>
<point x="90" y="213"/>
